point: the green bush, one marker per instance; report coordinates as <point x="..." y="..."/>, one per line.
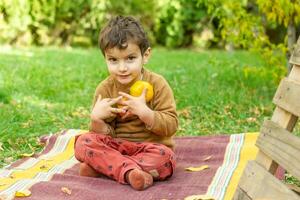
<point x="178" y="21"/>
<point x="60" y="22"/>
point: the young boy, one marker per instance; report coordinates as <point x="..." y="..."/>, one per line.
<point x="131" y="144"/>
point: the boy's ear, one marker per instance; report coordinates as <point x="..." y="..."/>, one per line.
<point x="146" y="55"/>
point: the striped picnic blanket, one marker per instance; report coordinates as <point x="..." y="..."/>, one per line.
<point x="53" y="174"/>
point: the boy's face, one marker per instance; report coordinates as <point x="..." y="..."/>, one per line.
<point x="125" y="65"/>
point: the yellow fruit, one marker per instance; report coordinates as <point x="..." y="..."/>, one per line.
<point x="123" y="99"/>
<point x="137" y="88"/>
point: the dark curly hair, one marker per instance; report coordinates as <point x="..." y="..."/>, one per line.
<point x="119" y="31"/>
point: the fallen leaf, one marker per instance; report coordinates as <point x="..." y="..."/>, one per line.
<point x="1" y="148"/>
<point x="197" y="169"/>
<point x="186" y="112"/>
<point x="199" y="197"/>
<point x="27" y="154"/>
<point x="251" y="119"/>
<point x="23" y="193"/>
<point x="66" y="190"/>
<point x="8" y="159"/>
<point x="43" y="167"/>
<point x="207" y="158"/>
<point x="27" y="124"/>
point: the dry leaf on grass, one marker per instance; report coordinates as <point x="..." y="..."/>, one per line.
<point x="8" y="159"/>
<point x="27" y="154"/>
<point x="197" y="169"/>
<point x="251" y="119"/>
<point x="199" y="197"/>
<point x="186" y="112"/>
<point x="66" y="190"/>
<point x="1" y="148"/>
<point x="23" y="193"/>
<point x="207" y="158"/>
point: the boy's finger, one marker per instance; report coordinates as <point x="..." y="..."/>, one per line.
<point x="128" y="113"/>
<point x="125" y="107"/>
<point x="118" y="110"/>
<point x="144" y="92"/>
<point x="125" y="95"/>
<point x="115" y="100"/>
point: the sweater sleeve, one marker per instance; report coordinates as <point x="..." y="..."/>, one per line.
<point x="164" y="107"/>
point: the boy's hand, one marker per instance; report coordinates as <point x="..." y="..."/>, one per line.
<point x="137" y="106"/>
<point x="103" y="108"/>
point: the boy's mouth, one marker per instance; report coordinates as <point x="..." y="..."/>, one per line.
<point x="124" y="76"/>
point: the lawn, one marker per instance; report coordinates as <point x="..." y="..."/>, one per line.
<point x="45" y="90"/>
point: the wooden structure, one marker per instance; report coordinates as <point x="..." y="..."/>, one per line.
<point x="277" y="145"/>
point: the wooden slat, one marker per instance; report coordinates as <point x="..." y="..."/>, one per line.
<point x="267" y="162"/>
<point x="295" y="58"/>
<point x="257" y="183"/>
<point x="284" y="119"/>
<point x="288" y="96"/>
<point x="240" y="195"/>
<point x="282" y="146"/>
<point x="295" y="73"/>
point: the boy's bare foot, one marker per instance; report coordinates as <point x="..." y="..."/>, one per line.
<point x="138" y="179"/>
<point x="86" y="170"/>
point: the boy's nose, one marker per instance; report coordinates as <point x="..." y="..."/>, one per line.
<point x="122" y="67"/>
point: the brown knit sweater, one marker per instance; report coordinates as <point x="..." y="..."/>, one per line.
<point x="132" y="128"/>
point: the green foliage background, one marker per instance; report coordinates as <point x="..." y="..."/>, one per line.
<point x="239" y="24"/>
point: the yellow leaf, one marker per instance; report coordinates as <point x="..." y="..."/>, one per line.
<point x="23" y="193"/>
<point x="197" y="169"/>
<point x="207" y="158"/>
<point x="2" y="184"/>
<point x="199" y="197"/>
<point x="44" y="167"/>
<point x="27" y="154"/>
<point x="66" y="190"/>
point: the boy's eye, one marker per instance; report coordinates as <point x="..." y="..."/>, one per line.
<point x="131" y="57"/>
<point x="112" y="59"/>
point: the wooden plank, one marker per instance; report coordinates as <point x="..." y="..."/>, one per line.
<point x="294" y="188"/>
<point x="240" y="195"/>
<point x="284" y="119"/>
<point x="295" y="58"/>
<point x="260" y="184"/>
<point x="295" y="73"/>
<point x="288" y="96"/>
<point x="282" y="146"/>
<point x="268" y="163"/>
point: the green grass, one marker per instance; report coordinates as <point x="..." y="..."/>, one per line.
<point x="45" y="90"/>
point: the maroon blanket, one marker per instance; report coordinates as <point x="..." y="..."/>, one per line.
<point x="190" y="151"/>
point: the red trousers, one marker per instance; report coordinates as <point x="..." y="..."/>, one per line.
<point x="113" y="157"/>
